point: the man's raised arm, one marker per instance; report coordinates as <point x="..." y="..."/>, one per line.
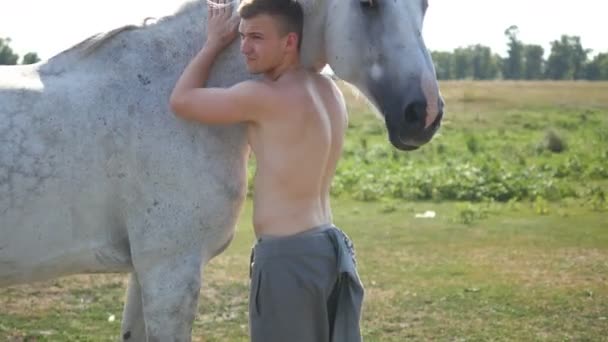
<point x="213" y="105"/>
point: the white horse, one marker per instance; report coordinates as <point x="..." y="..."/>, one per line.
<point x="96" y="174"/>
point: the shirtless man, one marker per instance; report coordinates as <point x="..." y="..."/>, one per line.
<point x="304" y="284"/>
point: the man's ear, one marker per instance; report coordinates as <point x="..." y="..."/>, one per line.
<point x="292" y="41"/>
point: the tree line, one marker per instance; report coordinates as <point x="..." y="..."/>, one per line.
<point x="568" y="60"/>
<point x="8" y="57"/>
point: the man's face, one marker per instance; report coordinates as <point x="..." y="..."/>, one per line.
<point x="261" y="43"/>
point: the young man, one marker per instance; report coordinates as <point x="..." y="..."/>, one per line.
<point x="304" y="283"/>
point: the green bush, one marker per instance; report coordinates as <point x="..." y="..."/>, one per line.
<point x="554" y="143"/>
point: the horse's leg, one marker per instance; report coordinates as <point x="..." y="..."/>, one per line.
<point x="170" y="285"/>
<point x="133" y="327"/>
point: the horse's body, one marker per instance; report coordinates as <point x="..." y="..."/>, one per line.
<point x="96" y="175"/>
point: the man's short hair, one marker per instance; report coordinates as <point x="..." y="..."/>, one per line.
<point x="289" y="13"/>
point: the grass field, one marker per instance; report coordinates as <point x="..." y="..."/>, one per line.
<point x="518" y="250"/>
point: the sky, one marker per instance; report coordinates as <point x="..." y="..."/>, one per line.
<point x="50" y="26"/>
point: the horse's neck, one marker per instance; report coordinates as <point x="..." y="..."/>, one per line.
<point x="313" y="42"/>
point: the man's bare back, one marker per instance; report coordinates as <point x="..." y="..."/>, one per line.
<point x="296" y="120"/>
<point x="297" y="149"/>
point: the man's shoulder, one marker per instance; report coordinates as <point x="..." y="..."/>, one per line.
<point x="331" y="86"/>
<point x="252" y="86"/>
<point x="319" y="76"/>
<point x="255" y="97"/>
<point x="253" y="91"/>
<point x="320" y="81"/>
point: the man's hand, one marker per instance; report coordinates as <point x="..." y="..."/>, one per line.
<point x="222" y="24"/>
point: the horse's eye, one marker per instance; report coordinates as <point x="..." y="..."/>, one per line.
<point x="368" y="3"/>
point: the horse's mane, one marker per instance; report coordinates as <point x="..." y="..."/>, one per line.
<point x="89" y="45"/>
<point x="94" y="42"/>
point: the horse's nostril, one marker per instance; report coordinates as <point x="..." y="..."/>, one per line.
<point x="415" y="112"/>
<point x="437" y="121"/>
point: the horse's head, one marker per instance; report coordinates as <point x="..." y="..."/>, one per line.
<point x="377" y="46"/>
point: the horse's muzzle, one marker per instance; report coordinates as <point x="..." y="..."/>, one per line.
<point x="407" y="128"/>
<point x="410" y="121"/>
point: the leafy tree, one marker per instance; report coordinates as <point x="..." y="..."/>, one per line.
<point x="513" y="65"/>
<point x="30" y="58"/>
<point x="443" y="64"/>
<point x="567" y="59"/>
<point x="597" y="69"/>
<point x="485" y="65"/>
<point x="476" y="62"/>
<point x="7" y="57"/>
<point x="533" y="56"/>
<point x="462" y="63"/>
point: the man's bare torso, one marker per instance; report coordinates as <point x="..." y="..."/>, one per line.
<point x="296" y="151"/>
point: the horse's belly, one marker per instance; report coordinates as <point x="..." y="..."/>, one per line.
<point x="52" y="237"/>
<point x="63" y="226"/>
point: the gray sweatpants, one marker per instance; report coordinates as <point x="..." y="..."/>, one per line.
<point x="305" y="288"/>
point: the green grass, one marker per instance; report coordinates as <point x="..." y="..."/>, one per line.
<point x="516" y="275"/>
<point x="489" y="150"/>
<point x="530" y="267"/>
